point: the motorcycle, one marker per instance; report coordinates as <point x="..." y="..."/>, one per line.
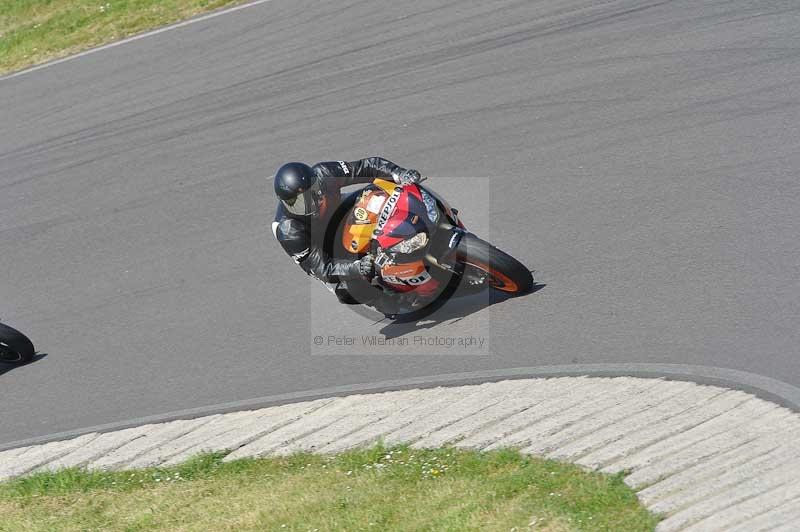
<point x="422" y="250"/>
<point x="15" y="347"/>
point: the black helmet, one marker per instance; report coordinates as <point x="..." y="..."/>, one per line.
<point x="299" y="190"/>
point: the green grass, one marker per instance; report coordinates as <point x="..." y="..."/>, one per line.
<point x="34" y="31"/>
<point x="375" y="489"/>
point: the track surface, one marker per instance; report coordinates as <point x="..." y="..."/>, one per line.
<point x="642" y="157"/>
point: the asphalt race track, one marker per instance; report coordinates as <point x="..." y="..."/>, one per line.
<point x="641" y="156"/>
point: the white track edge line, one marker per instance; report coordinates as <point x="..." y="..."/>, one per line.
<point x="133" y="38"/>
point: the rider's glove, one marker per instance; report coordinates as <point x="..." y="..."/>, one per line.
<point x="366" y="266"/>
<point x="406" y="177"/>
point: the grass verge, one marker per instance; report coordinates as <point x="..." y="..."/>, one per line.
<point x="375" y="489"/>
<point x="35" y="31"/>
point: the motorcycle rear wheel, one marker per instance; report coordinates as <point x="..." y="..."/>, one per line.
<point x="15" y="347"/>
<point x="503" y="272"/>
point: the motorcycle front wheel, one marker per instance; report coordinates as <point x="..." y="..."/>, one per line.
<point x="15" y="347"/>
<point x="502" y="271"/>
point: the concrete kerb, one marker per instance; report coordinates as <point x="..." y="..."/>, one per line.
<point x="764" y="387"/>
<point x="705" y="457"/>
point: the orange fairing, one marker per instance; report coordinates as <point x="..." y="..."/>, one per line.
<point x="362" y="219"/>
<point x="403" y="271"/>
<point x="410" y="276"/>
<point x="386" y="186"/>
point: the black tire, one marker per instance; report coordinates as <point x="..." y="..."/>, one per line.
<point x="15" y="347"/>
<point x="504" y="272"/>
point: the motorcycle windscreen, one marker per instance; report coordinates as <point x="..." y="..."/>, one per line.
<point x="408" y="220"/>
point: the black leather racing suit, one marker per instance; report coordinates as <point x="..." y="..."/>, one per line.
<point x="302" y="239"/>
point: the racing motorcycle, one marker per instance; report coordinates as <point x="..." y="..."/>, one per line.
<point x="15" y="347"/>
<point x="421" y="248"/>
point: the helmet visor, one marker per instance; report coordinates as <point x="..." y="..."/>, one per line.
<point x="306" y="203"/>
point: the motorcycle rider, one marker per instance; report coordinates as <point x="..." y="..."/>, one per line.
<point x="308" y="196"/>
